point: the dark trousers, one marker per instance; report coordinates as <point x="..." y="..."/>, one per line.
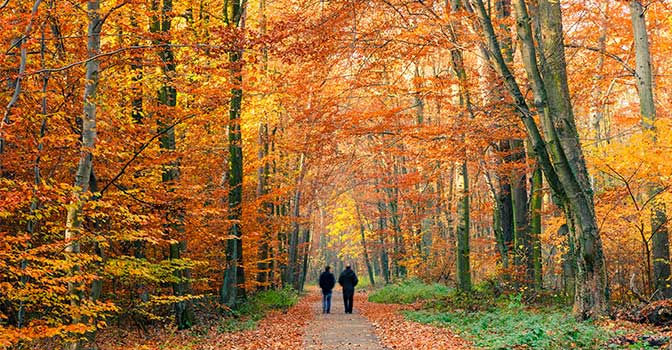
<point x="348" y="295"/>
<point x="326" y="302"/>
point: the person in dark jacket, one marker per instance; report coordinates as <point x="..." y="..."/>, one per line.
<point x="327" y="283"/>
<point x="348" y="280"/>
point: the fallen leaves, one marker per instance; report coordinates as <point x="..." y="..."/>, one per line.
<point x="395" y="332"/>
<point x="279" y="330"/>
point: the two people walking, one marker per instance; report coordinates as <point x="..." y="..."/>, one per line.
<point x="348" y="280"/>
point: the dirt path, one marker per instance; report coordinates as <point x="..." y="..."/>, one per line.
<point x="338" y="330"/>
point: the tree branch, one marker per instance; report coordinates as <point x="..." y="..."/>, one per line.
<point x="605" y="53"/>
<point x="137" y="153"/>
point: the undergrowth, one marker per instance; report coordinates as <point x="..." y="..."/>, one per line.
<point x="254" y="308"/>
<point x="493" y="320"/>
<point x="518" y="328"/>
<point x="408" y="292"/>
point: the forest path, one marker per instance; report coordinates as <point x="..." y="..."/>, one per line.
<point x="339" y="330"/>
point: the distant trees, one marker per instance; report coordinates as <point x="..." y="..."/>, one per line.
<point x="229" y="147"/>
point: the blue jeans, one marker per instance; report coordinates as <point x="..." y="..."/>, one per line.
<point x="326" y="302"/>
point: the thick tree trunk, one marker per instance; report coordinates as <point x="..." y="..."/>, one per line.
<point x="660" y="245"/>
<point x="591" y="288"/>
<point x="591" y="294"/>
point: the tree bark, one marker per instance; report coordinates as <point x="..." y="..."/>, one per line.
<point x="591" y="289"/>
<point x="463" y="265"/>
<point x="536" y="199"/>
<point x="233" y="289"/>
<point x="362" y="230"/>
<point x="84" y="168"/>
<point x="167" y="96"/>
<point x="660" y="245"/>
<point x="382" y="228"/>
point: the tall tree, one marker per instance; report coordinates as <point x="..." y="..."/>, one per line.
<point x="233" y="288"/>
<point x="167" y="98"/>
<point x="567" y="180"/>
<point x="660" y="242"/>
<point x="73" y="223"/>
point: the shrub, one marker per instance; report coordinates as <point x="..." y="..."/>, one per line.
<point x="518" y="328"/>
<point x="408" y="292"/>
<point x="276" y="298"/>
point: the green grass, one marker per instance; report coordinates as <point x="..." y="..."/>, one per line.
<point x="408" y="292"/>
<point x="518" y="328"/>
<point x="252" y="310"/>
<point x="495" y="323"/>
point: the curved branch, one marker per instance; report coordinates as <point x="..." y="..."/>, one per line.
<point x="625" y="65"/>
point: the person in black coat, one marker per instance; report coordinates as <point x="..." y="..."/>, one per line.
<point x="348" y="280"/>
<point x="327" y="283"/>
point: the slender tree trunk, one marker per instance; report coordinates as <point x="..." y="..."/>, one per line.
<point x="84" y="169"/>
<point x="382" y="228"/>
<point x="265" y="208"/>
<point x="521" y="240"/>
<point x="293" y="269"/>
<point x="536" y="198"/>
<point x="660" y="245"/>
<point x="167" y="96"/>
<point x="233" y="287"/>
<point x="362" y="231"/>
<point x="305" y="254"/>
<point x="463" y="253"/>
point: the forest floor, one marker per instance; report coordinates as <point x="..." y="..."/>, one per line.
<point x="278" y="330"/>
<point x="396" y="332"/>
<point x="372" y="326"/>
<point x="338" y="330"/>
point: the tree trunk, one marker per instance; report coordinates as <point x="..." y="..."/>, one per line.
<point x="233" y="289"/>
<point x="266" y="210"/>
<point x="382" y="227"/>
<point x="522" y="245"/>
<point x="305" y="255"/>
<point x="161" y="22"/>
<point x="463" y="268"/>
<point x="292" y="272"/>
<point x="85" y="166"/>
<point x="536" y="198"/>
<point x="660" y="244"/>
<point x="362" y="230"/>
<point x="568" y="187"/>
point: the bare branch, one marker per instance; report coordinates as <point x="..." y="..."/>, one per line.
<point x="605" y="53"/>
<point x="137" y="153"/>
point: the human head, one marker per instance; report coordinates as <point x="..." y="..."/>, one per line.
<point x="327" y="268"/>
<point x="347" y="267"/>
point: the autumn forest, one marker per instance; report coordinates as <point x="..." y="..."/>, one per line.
<point x="180" y="172"/>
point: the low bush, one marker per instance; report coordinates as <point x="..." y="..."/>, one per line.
<point x="256" y="306"/>
<point x="276" y="298"/>
<point x="409" y="292"/>
<point x="514" y="327"/>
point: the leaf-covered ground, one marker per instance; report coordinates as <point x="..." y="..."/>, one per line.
<point x="395" y="332"/>
<point x="277" y="331"/>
